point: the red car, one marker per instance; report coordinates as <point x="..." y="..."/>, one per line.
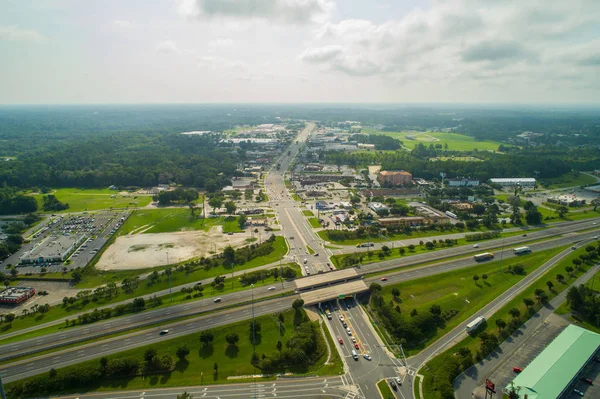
<point x="517" y="369"/>
<point x="356" y="346"/>
<point x="384" y="279"/>
<point x="587" y="380"/>
<point x="341" y="341"/>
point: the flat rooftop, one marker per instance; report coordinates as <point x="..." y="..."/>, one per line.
<point x="333" y="292"/>
<point x="54" y="246"/>
<point x="325" y="278"/>
<point x="552" y="370"/>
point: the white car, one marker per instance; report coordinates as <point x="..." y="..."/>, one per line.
<point x="163" y="332"/>
<point x="367" y="356"/>
<point x="271" y="288"/>
<point x="476" y="246"/>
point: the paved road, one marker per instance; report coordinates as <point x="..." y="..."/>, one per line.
<point x="307" y="388"/>
<point x="459" y="333"/>
<point x="474" y="378"/>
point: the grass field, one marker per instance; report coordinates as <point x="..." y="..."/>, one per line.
<point x="455" y="141"/>
<point x="457" y="290"/>
<point x="571" y="179"/>
<point x="385" y="390"/>
<point x="435" y="368"/>
<point x="92" y="200"/>
<point x="308" y="213"/>
<point x="170" y="220"/>
<point x="198" y="367"/>
<point x="314" y="222"/>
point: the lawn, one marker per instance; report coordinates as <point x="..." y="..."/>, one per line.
<point x="435" y="368"/>
<point x="455" y="141"/>
<point x="385" y="390"/>
<point x="169" y="220"/>
<point x="92" y="200"/>
<point x="571" y="179"/>
<point x="314" y="222"/>
<point x="308" y="213"/>
<point x="457" y="290"/>
<point x="199" y="366"/>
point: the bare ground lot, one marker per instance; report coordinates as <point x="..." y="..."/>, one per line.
<point x="138" y="251"/>
<point x="56" y="292"/>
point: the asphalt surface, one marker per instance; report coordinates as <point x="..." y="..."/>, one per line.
<point x="328" y="387"/>
<point x="473" y="379"/>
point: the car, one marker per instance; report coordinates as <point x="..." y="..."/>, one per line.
<point x="230" y="233"/>
<point x="393" y="385"/>
<point x="587" y="380"/>
<point x="578" y="392"/>
<point x="341" y="341"/>
<point x="367" y="356"/>
<point x="317" y="254"/>
<point x="217" y="300"/>
<point x="573" y="247"/>
<point x="291" y="238"/>
<point x="398" y="381"/>
<point x="341" y="317"/>
<point x="271" y="288"/>
<point x="305" y="261"/>
<point x="595" y="237"/>
<point x="163" y="332"/>
<point x="348" y="331"/>
<point x="524" y="235"/>
<point x="344" y="324"/>
<point x="517" y="369"/>
<point x="356" y="345"/>
<point x="476" y="246"/>
<point x="353" y="339"/>
<point x="384" y="279"/>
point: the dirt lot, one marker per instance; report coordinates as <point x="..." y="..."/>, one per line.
<point x="146" y="250"/>
<point x="56" y="292"/>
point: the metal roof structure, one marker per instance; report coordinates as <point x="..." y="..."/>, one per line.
<point x="319" y="280"/>
<point x="552" y="371"/>
<point x="333" y="292"/>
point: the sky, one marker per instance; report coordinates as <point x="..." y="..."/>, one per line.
<point x="397" y="51"/>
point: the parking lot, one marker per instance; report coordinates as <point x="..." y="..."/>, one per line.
<point x="592" y="371"/>
<point x="97" y="227"/>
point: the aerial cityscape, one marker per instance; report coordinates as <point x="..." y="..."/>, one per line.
<point x="299" y="199"/>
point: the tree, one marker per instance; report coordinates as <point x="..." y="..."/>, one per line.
<point x="230" y="207"/>
<point x="216" y="202"/>
<point x="539" y="293"/>
<point x="484" y="277"/>
<point x="595" y="203"/>
<point x="375" y="287"/>
<point x="475" y="278"/>
<point x="9" y="318"/>
<point x="577" y="262"/>
<point x="514" y="312"/>
<point x="560" y="278"/>
<point x="569" y="269"/>
<point x="435" y="310"/>
<point x="242" y="221"/>
<point x="478" y="208"/>
<point x="562" y="211"/>
<point x="206" y="337"/>
<point x="150" y="354"/>
<point x="402" y="251"/>
<point x="182" y="352"/>
<point x="185" y="395"/>
<point x="52" y="373"/>
<point x="528" y="302"/>
<point x="229" y="255"/>
<point x="550" y="285"/>
<point x="501" y="324"/>
<point x="395" y="292"/>
<point x="232" y="338"/>
<point x="297" y="304"/>
<point x="413" y="313"/>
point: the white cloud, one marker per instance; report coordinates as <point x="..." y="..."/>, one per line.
<point x="220" y="43"/>
<point x="321" y="54"/>
<point x="168" y="47"/>
<point x="282" y="11"/>
<point x="12" y="33"/>
<point x="120" y="23"/>
<point x="220" y="63"/>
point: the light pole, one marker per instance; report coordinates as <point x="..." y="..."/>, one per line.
<point x="281" y="272"/>
<point x="169" y="275"/>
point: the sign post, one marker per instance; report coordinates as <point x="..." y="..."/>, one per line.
<point x="490" y="388"/>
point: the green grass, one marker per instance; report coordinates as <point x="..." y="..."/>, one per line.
<point x="314" y="222"/>
<point x="169" y="220"/>
<point x="92" y="200"/>
<point x="455" y="141"/>
<point x="435" y="367"/>
<point x="570" y="179"/>
<point x="198" y="369"/>
<point x="416" y="391"/>
<point x="385" y="390"/>
<point x="308" y="213"/>
<point x="177" y="278"/>
<point x="310" y="250"/>
<point x="296" y="197"/>
<point x="452" y="290"/>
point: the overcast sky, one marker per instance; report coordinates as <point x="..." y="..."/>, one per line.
<point x="406" y="51"/>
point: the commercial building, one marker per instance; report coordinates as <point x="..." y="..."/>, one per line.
<point x="566" y="200"/>
<point x="53" y="249"/>
<point x="462" y="182"/>
<point x="394" y="177"/>
<point x="514" y="181"/>
<point x="323" y="205"/>
<point x="16" y="295"/>
<point x="552" y="373"/>
<point x="377" y="207"/>
<point x="403" y="221"/>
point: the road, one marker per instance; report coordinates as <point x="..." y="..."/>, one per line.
<point x="329" y="387"/>
<point x="474" y="378"/>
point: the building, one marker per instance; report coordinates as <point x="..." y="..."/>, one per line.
<point x="366" y="146"/>
<point x="53" y="249"/>
<point x="378" y="206"/>
<point x="462" y="182"/>
<point x="16" y="295"/>
<point x="403" y="221"/>
<point x="345" y="205"/>
<point x="553" y="372"/>
<point x="566" y="200"/>
<point x="323" y="205"/>
<point x="514" y="181"/>
<point x="394" y="177"/>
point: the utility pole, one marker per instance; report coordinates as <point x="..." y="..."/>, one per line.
<point x="2" y="394"/>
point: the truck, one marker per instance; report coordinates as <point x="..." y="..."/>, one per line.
<point x="473" y="325"/>
<point x="521" y="250"/>
<point x="328" y="314"/>
<point x="483" y="256"/>
<point x="452" y="215"/>
<point x="365" y="245"/>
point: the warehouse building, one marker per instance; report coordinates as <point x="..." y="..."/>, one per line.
<point x="53" y="249"/>
<point x="394" y="177"/>
<point x="515" y="181"/>
<point x="554" y="371"/>
<point x="566" y="200"/>
<point x="463" y="182"/>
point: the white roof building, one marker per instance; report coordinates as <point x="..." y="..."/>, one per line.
<point x="515" y="181"/>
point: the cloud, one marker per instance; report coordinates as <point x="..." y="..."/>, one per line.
<point x="220" y="63"/>
<point x="168" y="47"/>
<point x="281" y="11"/>
<point x="12" y="33"/>
<point x="220" y="43"/>
<point x="495" y="51"/>
<point x="321" y="54"/>
<point x="120" y="23"/>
